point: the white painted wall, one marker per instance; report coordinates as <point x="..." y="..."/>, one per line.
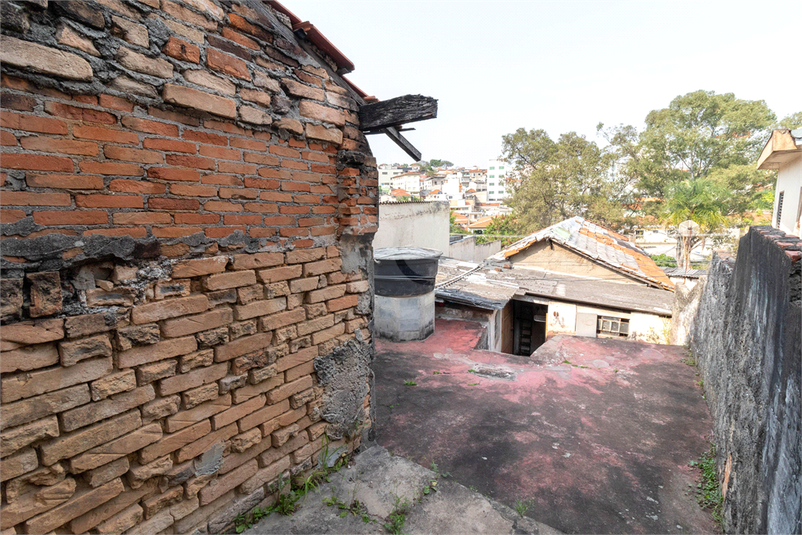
<point x="789" y="181"/>
<point x="420" y="224"/>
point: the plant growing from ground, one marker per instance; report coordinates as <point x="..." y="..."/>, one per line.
<point x="410" y="383"/>
<point x="397" y="518"/>
<point x="708" y="490"/>
<point x="522" y="506"/>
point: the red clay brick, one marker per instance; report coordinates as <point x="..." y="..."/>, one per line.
<point x="136" y="186"/>
<point x="205" y="137"/>
<point x="238" y="193"/>
<point x="151" y="127"/>
<point x="227" y="64"/>
<point x="108" y="201"/>
<point x="262" y="208"/>
<point x="17" y="102"/>
<point x="236" y="168"/>
<point x="191" y="190"/>
<point x="295" y="186"/>
<point x="279" y="220"/>
<point x="220" y="153"/>
<point x="25" y="198"/>
<point x="110" y="168"/>
<point x="275" y="196"/>
<point x="160" y="203"/>
<point x="264" y="159"/>
<point x="35" y="162"/>
<point x="220" y="206"/>
<point x="237" y="37"/>
<point x="248" y="144"/>
<point x="79" y="114"/>
<point x="116" y="103"/>
<point x="180" y="49"/>
<point x="294" y="210"/>
<point x="190" y="161"/>
<point x="223" y="180"/>
<point x="291" y="232"/>
<point x="30" y="123"/>
<point x="141" y="218"/>
<point x="64" y="146"/>
<point x="222" y="232"/>
<point x="196" y="219"/>
<point x="7" y="139"/>
<point x="104" y="134"/>
<point x="284" y="151"/>
<point x="71" y="217"/>
<point x="132" y="155"/>
<point x="11" y="216"/>
<point x="168" y="173"/>
<point x="169" y="145"/>
<point x="267" y="172"/>
<point x="261" y="183"/>
<point x="242" y="220"/>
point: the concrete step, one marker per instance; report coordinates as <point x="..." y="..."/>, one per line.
<point x="381" y="483"/>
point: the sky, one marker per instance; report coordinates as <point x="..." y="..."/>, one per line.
<point x="557" y="65"/>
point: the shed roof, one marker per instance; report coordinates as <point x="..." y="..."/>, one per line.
<point x="600" y="244"/>
<point x="487" y="287"/>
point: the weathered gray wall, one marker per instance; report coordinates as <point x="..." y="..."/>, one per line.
<point x="747" y="339"/>
<point x="413" y="224"/>
<point x="467" y="249"/>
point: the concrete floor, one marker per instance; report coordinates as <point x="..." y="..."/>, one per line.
<point x="598" y="444"/>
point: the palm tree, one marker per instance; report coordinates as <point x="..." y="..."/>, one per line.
<point x="696" y="200"/>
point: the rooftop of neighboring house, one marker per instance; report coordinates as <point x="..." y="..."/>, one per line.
<point x="684" y="273"/>
<point x="601" y="245"/>
<point x="491" y="287"/>
<point x="481" y="223"/>
<point x="783" y="146"/>
<point x="399" y="193"/>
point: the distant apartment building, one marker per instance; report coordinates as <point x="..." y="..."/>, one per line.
<point x="386" y="174"/>
<point x="410" y="182"/>
<point x="497" y="172"/>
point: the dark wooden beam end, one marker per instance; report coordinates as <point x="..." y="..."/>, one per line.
<point x="396" y="111"/>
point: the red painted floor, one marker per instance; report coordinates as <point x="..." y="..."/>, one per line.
<point x="596" y="434"/>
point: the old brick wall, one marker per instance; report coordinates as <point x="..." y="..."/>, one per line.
<point x="747" y="339"/>
<point x="187" y="214"/>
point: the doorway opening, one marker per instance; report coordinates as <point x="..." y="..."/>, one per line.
<point x="529" y="327"/>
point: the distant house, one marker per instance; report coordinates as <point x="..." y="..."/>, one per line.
<point x="480" y="225"/>
<point x="579" y="247"/>
<point x="574" y="277"/>
<point x="783" y="151"/>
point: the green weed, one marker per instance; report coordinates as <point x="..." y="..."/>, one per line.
<point x="397" y="518"/>
<point x="708" y="490"/>
<point x="410" y="383"/>
<point x="521" y="506"/>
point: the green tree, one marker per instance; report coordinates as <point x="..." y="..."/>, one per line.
<point x="700" y="135"/>
<point x="792" y="121"/>
<point x="440" y="163"/>
<point x="453" y="228"/>
<point x="698" y="201"/>
<point x="556" y="180"/>
<point x="504" y="225"/>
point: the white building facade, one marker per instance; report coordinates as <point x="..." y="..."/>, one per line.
<point x="497" y="173"/>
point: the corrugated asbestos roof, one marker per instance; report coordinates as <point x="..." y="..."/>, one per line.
<point x="491" y="288"/>
<point x="600" y="244"/>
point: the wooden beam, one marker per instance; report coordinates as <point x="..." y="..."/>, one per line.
<point x="402" y="142"/>
<point x="396" y="111"/>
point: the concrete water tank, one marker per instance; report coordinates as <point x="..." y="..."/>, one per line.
<point x="404" y="281"/>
